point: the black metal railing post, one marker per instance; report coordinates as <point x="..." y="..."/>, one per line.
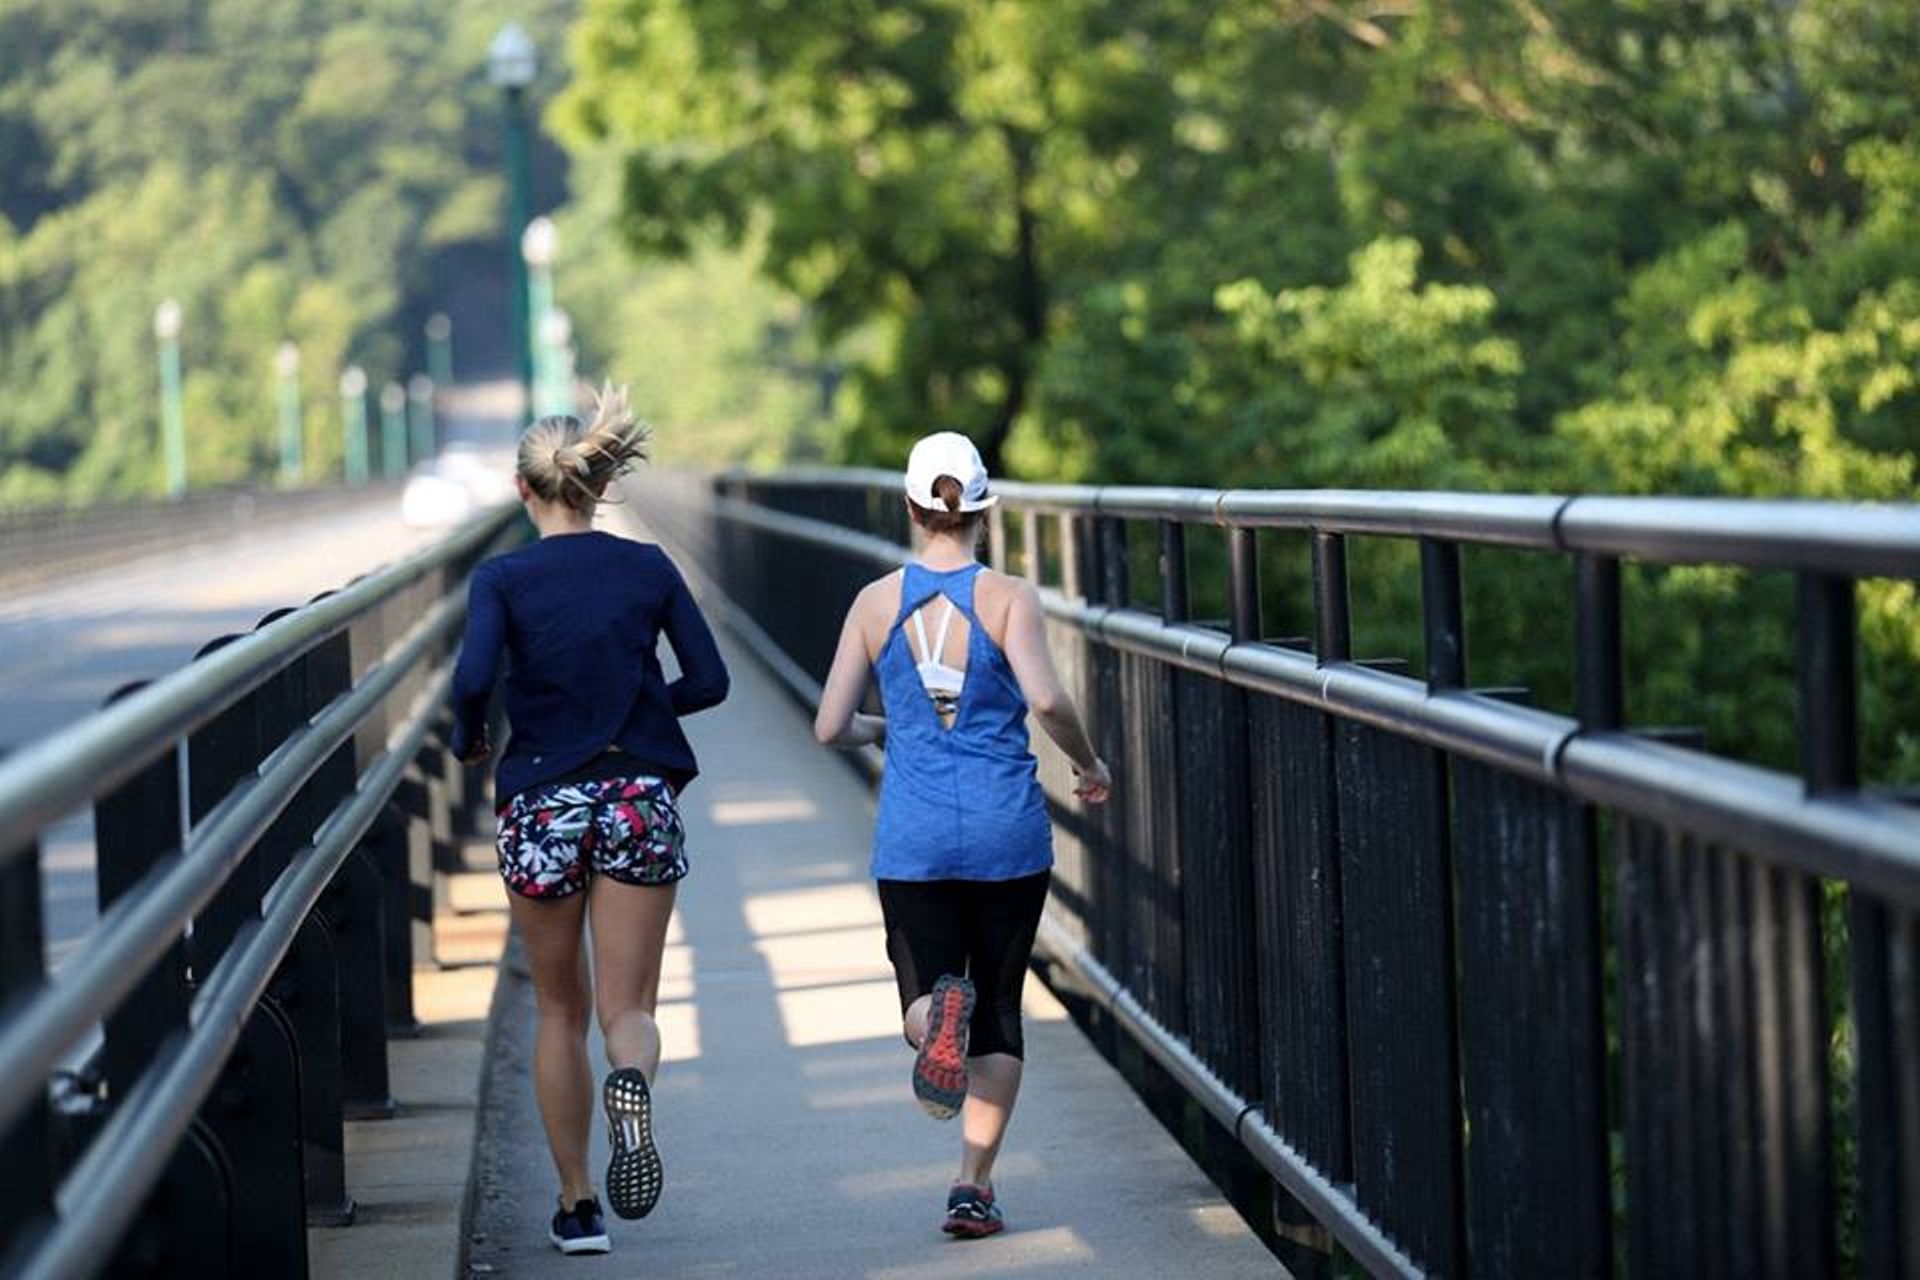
<point x="1332" y="617"/>
<point x="1598" y="670"/>
<point x="1443" y="616"/>
<point x="26" y="1147"/>
<point x="255" y="1110"/>
<point x="1243" y="584"/>
<point x="1174" y="606"/>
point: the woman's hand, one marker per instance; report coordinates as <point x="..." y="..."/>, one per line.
<point x="478" y="752"/>
<point x="1094" y="783"/>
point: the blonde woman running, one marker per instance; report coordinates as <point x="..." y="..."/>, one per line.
<point x="587" y="785"/>
<point x="963" y="847"/>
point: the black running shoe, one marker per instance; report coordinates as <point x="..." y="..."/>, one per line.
<point x="581" y="1229"/>
<point x="971" y="1212"/>
<point x="634" y="1175"/>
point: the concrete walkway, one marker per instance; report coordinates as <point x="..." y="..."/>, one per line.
<point x="793" y="1148"/>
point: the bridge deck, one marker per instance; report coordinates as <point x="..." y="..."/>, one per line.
<point x="792" y="1145"/>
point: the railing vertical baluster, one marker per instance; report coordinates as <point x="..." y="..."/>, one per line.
<point x="1174" y="606"/>
<point x="1443" y="616"/>
<point x="1332" y="616"/>
<point x="997" y="538"/>
<point x="1115" y="589"/>
<point x="1598" y="667"/>
<point x="1829" y="697"/>
<point x="255" y="1110"/>
<point x="1031" y="562"/>
<point x="1071" y="581"/>
<point x="1243" y="583"/>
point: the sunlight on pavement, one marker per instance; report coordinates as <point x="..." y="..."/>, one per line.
<point x="764" y="812"/>
<point x="832" y="906"/>
<point x="839" y="1013"/>
<point x="679" y="1022"/>
<point x="825" y="956"/>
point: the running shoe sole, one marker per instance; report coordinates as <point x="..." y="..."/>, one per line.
<point x="634" y="1174"/>
<point x="580" y="1244"/>
<point x="973" y="1229"/>
<point x="940" y="1068"/>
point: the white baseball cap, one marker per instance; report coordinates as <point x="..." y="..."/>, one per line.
<point x="947" y="453"/>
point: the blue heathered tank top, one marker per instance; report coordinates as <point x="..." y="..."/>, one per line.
<point x="960" y="803"/>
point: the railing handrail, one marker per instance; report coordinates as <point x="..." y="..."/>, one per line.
<point x="1862" y="539"/>
<point x="68" y="769"/>
<point x="182" y="875"/>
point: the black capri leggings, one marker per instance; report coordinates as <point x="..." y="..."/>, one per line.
<point x="982" y="929"/>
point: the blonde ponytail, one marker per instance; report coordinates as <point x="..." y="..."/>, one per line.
<point x="563" y="460"/>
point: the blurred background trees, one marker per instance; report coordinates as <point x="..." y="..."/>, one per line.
<point x="1619" y="245"/>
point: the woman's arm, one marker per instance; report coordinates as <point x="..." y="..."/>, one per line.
<point x="479" y="663"/>
<point x="1032" y="663"/>
<point x="839" y="722"/>
<point x="703" y="678"/>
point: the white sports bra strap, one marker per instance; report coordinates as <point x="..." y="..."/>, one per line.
<point x="939" y="653"/>
<point x="920" y="626"/>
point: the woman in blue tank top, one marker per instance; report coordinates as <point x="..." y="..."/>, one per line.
<point x="962" y="850"/>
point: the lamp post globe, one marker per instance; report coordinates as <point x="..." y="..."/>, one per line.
<point x="512" y="61"/>
<point x="167" y="319"/>
<point x="539" y="242"/>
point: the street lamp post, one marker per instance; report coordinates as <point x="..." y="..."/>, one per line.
<point x="286" y="363"/>
<point x="511" y="65"/>
<point x="556" y="342"/>
<point x="538" y="246"/>
<point x="440" y="349"/>
<point x="173" y="419"/>
<point x="353" y="423"/>
<point x="420" y="423"/>
<point x="393" y="431"/>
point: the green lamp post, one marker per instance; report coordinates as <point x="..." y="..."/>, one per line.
<point x="538" y="246"/>
<point x="557" y="359"/>
<point x="167" y="320"/>
<point x="353" y="423"/>
<point x="286" y="363"/>
<point x="420" y="425"/>
<point x="440" y="349"/>
<point x="393" y="431"/>
<point x="511" y="65"/>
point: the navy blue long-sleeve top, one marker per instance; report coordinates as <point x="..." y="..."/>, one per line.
<point x="580" y="616"/>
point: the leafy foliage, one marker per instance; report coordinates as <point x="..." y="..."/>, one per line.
<point x="1593" y="245"/>
<point x="283" y="171"/>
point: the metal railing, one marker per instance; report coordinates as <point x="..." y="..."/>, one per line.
<point x="267" y="823"/>
<point x="1486" y="988"/>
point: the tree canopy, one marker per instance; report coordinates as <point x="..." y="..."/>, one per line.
<point x="284" y="171"/>
<point x="1613" y="245"/>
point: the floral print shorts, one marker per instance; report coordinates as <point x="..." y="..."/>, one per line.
<point x="552" y="839"/>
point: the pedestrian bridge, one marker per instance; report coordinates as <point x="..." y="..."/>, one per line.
<point x="1362" y="966"/>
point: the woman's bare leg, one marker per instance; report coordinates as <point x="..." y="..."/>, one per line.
<point x="629" y="924"/>
<point x="993" y="1082"/>
<point x="562" y="1080"/>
